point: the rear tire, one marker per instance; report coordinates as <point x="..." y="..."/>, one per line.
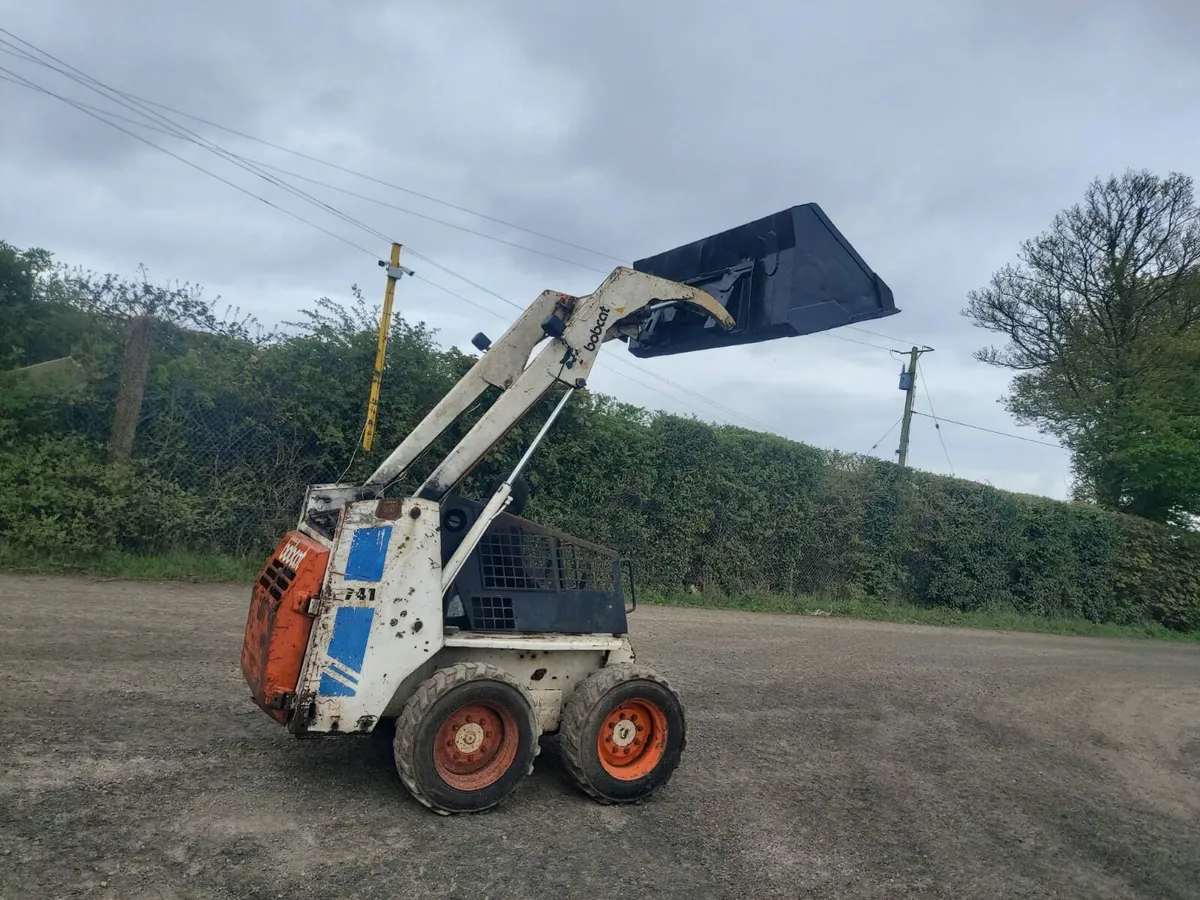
<point x="622" y="735"/>
<point x="466" y="738"/>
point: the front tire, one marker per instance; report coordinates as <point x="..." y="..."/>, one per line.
<point x="466" y="738"/>
<point x="622" y="735"/>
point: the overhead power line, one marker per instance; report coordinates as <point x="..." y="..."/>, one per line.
<point x="842" y="337"/>
<point x="102" y="116"/>
<point x="258" y="163"/>
<point x="885" y="434"/>
<point x="173" y="128"/>
<point x="412" y="212"/>
<point x="99" y="87"/>
<point x="197" y="167"/>
<point x="110" y="93"/>
<point x="465" y="279"/>
<point x="886" y="337"/>
<point x="397" y="187"/>
<point x="452" y="293"/>
<point x="1007" y="434"/>
<point x="324" y="162"/>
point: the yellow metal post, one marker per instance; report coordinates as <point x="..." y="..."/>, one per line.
<point x="385" y="323"/>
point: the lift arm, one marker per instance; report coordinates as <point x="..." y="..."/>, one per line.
<point x="577" y="328"/>
<point x="499" y="366"/>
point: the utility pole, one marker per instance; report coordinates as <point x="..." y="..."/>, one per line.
<point x="394" y="271"/>
<point x="908" y="384"/>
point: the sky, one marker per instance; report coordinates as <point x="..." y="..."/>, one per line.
<point x="936" y="136"/>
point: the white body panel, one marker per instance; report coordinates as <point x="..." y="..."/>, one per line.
<point x="379" y="630"/>
<point x="380" y="617"/>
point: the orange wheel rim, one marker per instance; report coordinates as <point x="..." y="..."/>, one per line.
<point x="475" y="746"/>
<point x="632" y="740"/>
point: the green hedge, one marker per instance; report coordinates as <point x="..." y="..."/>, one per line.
<point x="232" y="431"/>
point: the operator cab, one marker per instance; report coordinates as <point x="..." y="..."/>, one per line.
<point x="526" y="578"/>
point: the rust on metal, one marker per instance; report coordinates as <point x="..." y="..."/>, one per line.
<point x="279" y="623"/>
<point x="388" y="508"/>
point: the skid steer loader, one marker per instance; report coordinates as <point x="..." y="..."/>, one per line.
<point x="473" y="631"/>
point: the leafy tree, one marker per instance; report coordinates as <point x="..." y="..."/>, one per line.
<point x="1102" y="313"/>
<point x="16" y="302"/>
<point x="38" y="324"/>
<point x="1143" y="455"/>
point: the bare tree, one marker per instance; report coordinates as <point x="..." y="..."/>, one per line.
<point x="144" y="307"/>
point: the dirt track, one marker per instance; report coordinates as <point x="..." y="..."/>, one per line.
<point x="826" y="759"/>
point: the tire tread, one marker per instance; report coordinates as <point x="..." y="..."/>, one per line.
<point x="573" y="729"/>
<point x="421" y="702"/>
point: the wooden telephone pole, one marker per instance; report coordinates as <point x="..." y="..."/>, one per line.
<point x="394" y="271"/>
<point x="908" y="383"/>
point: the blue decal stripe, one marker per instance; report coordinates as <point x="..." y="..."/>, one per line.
<point x="351" y="628"/>
<point x="333" y="672"/>
<point x="368" y="552"/>
<point x="330" y="687"/>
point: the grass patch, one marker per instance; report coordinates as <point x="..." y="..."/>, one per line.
<point x="858" y="608"/>
<point x="179" y="566"/>
<point x="207" y="567"/>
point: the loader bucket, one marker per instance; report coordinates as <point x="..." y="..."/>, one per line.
<point x="788" y="274"/>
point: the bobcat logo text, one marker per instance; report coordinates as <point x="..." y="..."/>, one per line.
<point x="292" y="555"/>
<point x="597" y="331"/>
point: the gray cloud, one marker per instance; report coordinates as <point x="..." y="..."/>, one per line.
<point x="936" y="136"/>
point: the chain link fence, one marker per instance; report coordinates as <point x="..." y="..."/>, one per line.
<point x="204" y="480"/>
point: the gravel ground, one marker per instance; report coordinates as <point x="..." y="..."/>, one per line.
<point x="826" y="758"/>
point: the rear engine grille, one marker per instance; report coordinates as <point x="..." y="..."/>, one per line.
<point x="276" y="579"/>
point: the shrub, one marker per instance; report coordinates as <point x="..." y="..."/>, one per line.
<point x="233" y="429"/>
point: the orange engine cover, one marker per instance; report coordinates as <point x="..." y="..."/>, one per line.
<point x="278" y="625"/>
